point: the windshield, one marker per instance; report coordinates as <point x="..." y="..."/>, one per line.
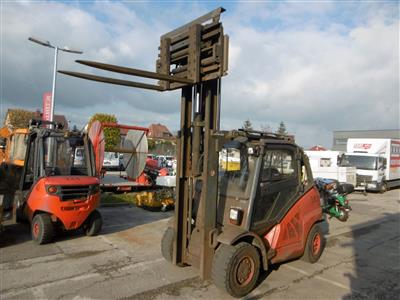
<point x="359" y="161"/>
<point x="65" y="156"/>
<point x="236" y="172"/>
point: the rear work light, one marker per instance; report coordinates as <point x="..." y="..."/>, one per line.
<point x="52" y="189"/>
<point x="235" y="216"/>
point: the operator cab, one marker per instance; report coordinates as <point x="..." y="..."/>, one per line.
<point x="260" y="178"/>
<point x="56" y="152"/>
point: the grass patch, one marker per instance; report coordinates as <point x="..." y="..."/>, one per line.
<point x="112" y="198"/>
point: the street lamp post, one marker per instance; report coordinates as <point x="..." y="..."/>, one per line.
<point x="56" y="49"/>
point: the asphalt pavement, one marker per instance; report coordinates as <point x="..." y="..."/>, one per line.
<point x="361" y="261"/>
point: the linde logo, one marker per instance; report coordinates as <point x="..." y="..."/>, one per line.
<point x="362" y="146"/>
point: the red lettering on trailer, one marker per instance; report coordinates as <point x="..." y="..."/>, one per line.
<point x="362" y="146"/>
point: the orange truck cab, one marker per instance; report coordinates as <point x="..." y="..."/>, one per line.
<point x="57" y="184"/>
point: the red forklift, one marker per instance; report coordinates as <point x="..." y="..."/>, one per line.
<point x="53" y="189"/>
<point x="265" y="210"/>
<point x="244" y="199"/>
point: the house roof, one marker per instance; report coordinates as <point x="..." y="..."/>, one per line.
<point x="32" y="114"/>
<point x="159" y="131"/>
<point x="317" y="148"/>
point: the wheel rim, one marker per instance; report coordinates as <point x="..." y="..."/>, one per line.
<point x="245" y="270"/>
<point x="36" y="229"/>
<point x="316" y="244"/>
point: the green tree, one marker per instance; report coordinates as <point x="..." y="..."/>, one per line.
<point x="282" y="129"/>
<point x="247" y="124"/>
<point x="151" y="144"/>
<point x="112" y="136"/>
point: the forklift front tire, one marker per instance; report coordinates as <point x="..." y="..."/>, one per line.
<point x="42" y="229"/>
<point x="236" y="268"/>
<point x="315" y="244"/>
<point x="167" y="244"/>
<point x="93" y="224"/>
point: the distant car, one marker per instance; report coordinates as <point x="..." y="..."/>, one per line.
<point x="112" y="161"/>
<point x="169" y="161"/>
<point x="79" y="156"/>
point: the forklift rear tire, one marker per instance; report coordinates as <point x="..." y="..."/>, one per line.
<point x="42" y="229"/>
<point x="236" y="268"/>
<point x="94" y="223"/>
<point x="315" y="244"/>
<point x="167" y="244"/>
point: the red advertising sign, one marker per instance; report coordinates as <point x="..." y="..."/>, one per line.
<point x="46" y="106"/>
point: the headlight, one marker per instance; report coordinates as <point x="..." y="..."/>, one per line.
<point x="235" y="216"/>
<point x="52" y="189"/>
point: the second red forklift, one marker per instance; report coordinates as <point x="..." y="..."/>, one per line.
<point x="52" y="188"/>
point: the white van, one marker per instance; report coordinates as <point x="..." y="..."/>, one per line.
<point x="111" y="161"/>
<point x="325" y="164"/>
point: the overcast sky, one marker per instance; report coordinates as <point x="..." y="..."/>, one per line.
<point x="317" y="66"/>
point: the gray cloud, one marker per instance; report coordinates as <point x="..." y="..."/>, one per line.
<point x="314" y="68"/>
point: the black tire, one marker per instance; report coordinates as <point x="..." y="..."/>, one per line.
<point x="42" y="230"/>
<point x="383" y="187"/>
<point x="93" y="224"/>
<point x="315" y="244"/>
<point x="344" y="216"/>
<point x="236" y="268"/>
<point x="167" y="244"/>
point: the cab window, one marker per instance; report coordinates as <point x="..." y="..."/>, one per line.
<point x="278" y="165"/>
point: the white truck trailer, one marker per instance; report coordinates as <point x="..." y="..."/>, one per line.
<point x="377" y="162"/>
<point x="325" y="164"/>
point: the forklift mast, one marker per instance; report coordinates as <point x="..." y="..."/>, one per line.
<point x="193" y="58"/>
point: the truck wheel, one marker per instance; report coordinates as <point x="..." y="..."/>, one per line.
<point x="315" y="244"/>
<point x="383" y="187"/>
<point x="236" y="268"/>
<point x="167" y="244"/>
<point x="93" y="223"/>
<point x="42" y="229"/>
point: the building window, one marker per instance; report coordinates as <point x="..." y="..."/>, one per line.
<point x="325" y="162"/>
<point x="341" y="141"/>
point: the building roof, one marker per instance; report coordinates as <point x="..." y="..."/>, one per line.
<point x="159" y="131"/>
<point x="340" y="137"/>
<point x="317" y="148"/>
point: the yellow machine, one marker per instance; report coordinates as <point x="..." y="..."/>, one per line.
<point x="155" y="199"/>
<point x="13" y="146"/>
<point x="12" y="158"/>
